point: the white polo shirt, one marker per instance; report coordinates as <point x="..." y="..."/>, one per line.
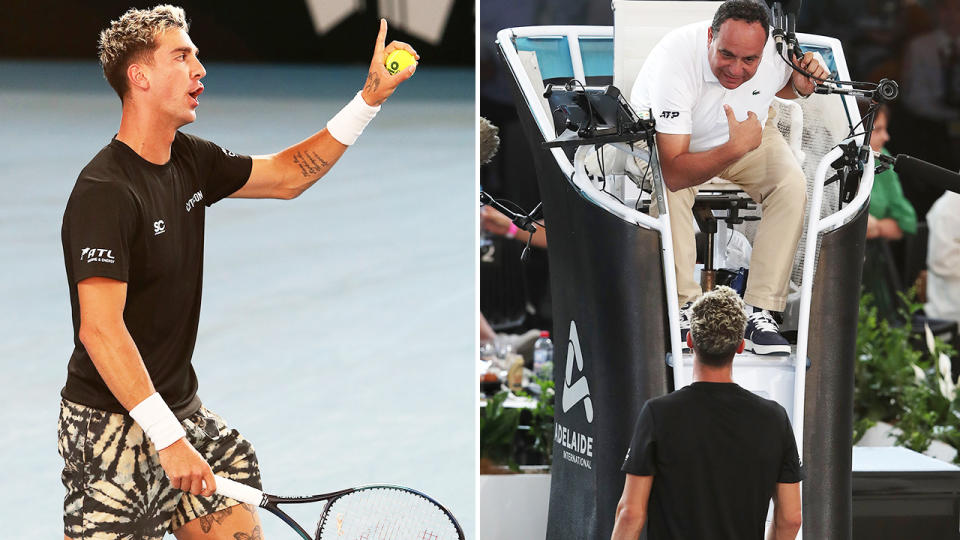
<point x="677" y="83"/>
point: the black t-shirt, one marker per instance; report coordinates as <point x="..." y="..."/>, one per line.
<point x="134" y="221"/>
<point x="716" y="452"/>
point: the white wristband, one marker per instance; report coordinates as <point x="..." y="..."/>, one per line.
<point x="158" y="421"/>
<point x="348" y="124"/>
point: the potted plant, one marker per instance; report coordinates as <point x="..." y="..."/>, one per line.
<point x="514" y="441"/>
<point x="904" y="393"/>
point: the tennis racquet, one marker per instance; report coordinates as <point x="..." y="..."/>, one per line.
<point x="367" y="512"/>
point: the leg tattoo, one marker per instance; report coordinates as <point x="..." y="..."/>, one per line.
<point x="207" y="521"/>
<point x="254" y="535"/>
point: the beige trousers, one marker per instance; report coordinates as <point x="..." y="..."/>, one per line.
<point x="772" y="177"/>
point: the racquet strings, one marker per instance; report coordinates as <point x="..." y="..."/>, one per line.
<point x="385" y="513"/>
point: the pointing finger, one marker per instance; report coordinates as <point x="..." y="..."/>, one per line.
<point x="731" y="118"/>
<point x="381" y="39"/>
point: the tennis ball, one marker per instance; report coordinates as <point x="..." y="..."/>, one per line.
<point x="398" y="60"/>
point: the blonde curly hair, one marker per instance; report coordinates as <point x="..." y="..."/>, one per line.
<point x="718" y="320"/>
<point x="133" y="38"/>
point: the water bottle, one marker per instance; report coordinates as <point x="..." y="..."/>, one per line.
<point x="542" y="354"/>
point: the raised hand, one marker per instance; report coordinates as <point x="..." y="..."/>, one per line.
<point x="746" y="135"/>
<point x="380" y="84"/>
<point x="806" y="85"/>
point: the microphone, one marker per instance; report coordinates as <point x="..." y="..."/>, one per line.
<point x="885" y="160"/>
<point x="927" y="172"/>
<point x="489" y="141"/>
<point x="793" y="44"/>
<point x="783" y="16"/>
<point x="888" y="90"/>
<point x="777" y="19"/>
<point x="788" y="6"/>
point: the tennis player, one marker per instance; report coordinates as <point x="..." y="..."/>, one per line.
<point x="139" y="448"/>
<point x="706" y="460"/>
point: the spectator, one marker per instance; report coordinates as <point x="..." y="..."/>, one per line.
<point x="943" y="258"/>
<point x="891" y="214"/>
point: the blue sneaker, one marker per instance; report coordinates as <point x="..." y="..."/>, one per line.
<point x="763" y="335"/>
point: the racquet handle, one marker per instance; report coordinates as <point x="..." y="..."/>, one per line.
<point x="238" y="491"/>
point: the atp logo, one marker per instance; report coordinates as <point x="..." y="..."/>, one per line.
<point x="575" y="391"/>
<point x="669" y="114"/>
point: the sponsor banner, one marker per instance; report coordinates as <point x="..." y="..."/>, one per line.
<point x="610" y="313"/>
<point x="607" y="286"/>
<point x="606" y="281"/>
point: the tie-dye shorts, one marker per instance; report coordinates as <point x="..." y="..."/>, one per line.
<point x="116" y="488"/>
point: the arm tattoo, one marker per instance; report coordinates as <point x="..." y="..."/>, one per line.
<point x="373" y="84"/>
<point x="311" y="164"/>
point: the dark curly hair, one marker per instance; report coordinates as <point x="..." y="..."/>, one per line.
<point x="741" y="10"/>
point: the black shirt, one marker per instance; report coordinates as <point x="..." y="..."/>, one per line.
<point x="134" y="221"/>
<point x="716" y="452"/>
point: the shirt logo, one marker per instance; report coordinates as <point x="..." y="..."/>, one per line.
<point x="92" y="255"/>
<point x="669" y="114"/>
<point x="159" y="227"/>
<point x="192" y="201"/>
<point x="227" y="152"/>
<point x="756" y="92"/>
